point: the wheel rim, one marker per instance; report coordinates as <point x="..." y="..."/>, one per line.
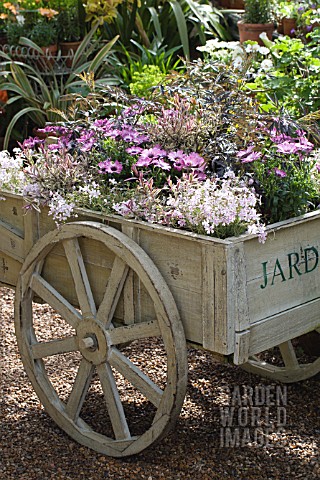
<point x="90" y="333"/>
<point x="291" y="364"/>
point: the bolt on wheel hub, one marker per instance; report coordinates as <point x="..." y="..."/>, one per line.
<point x="93" y="341"/>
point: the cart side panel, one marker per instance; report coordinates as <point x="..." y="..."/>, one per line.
<point x="282" y="287"/>
<point x="284" y="272"/>
<point x="194" y="270"/>
<point x="11" y="239"/>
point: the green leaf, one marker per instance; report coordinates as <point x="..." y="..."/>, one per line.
<point x="182" y="27"/>
<point x="101" y="55"/>
<point x="156" y="22"/>
<point x="16" y="118"/>
<point x="84" y="45"/>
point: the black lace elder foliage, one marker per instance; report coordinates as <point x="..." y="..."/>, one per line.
<point x="214" y="116"/>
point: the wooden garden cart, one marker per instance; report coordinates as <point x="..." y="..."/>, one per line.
<point x="113" y="283"/>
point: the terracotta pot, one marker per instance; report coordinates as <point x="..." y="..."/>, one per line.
<point x="280" y="26"/>
<point x="224" y="3"/>
<point x="3" y="96"/>
<point x="251" y="31"/>
<point x="68" y="50"/>
<point x="289" y="24"/>
<point x="236" y="4"/>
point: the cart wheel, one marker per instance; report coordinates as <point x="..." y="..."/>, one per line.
<point x="84" y="339"/>
<point x="297" y="360"/>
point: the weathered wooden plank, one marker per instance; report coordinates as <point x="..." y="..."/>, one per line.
<point x="11" y="210"/>
<point x="113" y="291"/>
<point x="129" y="296"/>
<point x="237" y="301"/>
<point x="80" y="277"/>
<point x="9" y="270"/>
<point x="31" y="229"/>
<point x="79" y="389"/>
<point x="284" y="326"/>
<point x="218" y="329"/>
<point x="241" y="348"/>
<point x="46" y="292"/>
<point x="288" y="355"/>
<point x="12" y="242"/>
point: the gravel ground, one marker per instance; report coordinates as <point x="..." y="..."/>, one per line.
<point x="34" y="448"/>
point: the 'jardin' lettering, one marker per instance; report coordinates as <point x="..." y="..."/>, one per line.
<point x="295" y="266"/>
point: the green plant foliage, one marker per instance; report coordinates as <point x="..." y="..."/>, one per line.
<point x="142" y="82"/>
<point x="14" y="32"/>
<point x="175" y="23"/>
<point x="44" y="33"/>
<point x="258" y="11"/>
<point x="165" y="60"/>
<point x="293" y="81"/>
<point x="70" y="20"/>
<point x="45" y="100"/>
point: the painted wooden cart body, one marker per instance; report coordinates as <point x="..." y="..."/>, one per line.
<point x="234" y="297"/>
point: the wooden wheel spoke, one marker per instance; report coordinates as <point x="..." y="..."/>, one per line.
<point x="136" y="377"/>
<point x="51" y="296"/>
<point x="80" y="277"/>
<point x="113" y="291"/>
<point x="136" y="331"/>
<point x="54" y="347"/>
<point x="79" y="390"/>
<point x="113" y="401"/>
<point x="288" y="355"/>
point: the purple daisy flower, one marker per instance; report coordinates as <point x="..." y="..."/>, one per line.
<point x="152" y="153"/>
<point x="110" y="167"/>
<point x="159" y="162"/>
<point x="134" y="150"/>
<point x="244" y="153"/>
<point x="178" y="159"/>
<point x="251" y="157"/>
<point x="194" y="160"/>
<point x="280" y="173"/>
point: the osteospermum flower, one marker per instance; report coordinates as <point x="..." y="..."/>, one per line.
<point x="159" y="162"/>
<point x="152" y="153"/>
<point x="178" y="159"/>
<point x="148" y="155"/>
<point x="280" y="173"/>
<point x="110" y="167"/>
<point x="31" y="142"/>
<point x="134" y="150"/>
<point x="87" y="140"/>
<point x="194" y="160"/>
<point x="244" y="153"/>
<point x="251" y="157"/>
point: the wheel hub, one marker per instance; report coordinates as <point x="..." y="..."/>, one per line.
<point x="93" y="341"/>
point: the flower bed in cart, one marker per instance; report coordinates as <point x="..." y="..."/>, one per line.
<point x="198" y="156"/>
